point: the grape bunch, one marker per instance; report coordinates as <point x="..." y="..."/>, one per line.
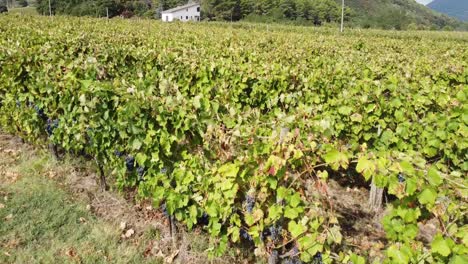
<point x="401" y="178"/>
<point x="51" y="126"/>
<point x="141" y="172"/>
<point x="317" y="258"/>
<point x="249" y="203"/>
<point x="18" y="103"/>
<point x="204" y="219"/>
<point x="275" y="232"/>
<point x="118" y="153"/>
<point x="40" y="112"/>
<point x="130" y="163"/>
<point x="163" y="208"/>
<point x="245" y="235"/>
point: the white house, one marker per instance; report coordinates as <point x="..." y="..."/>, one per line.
<point x="188" y="12"/>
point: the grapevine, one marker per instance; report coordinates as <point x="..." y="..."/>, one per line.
<point x="239" y="134"/>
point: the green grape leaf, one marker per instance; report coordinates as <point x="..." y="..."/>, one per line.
<point x="336" y="159"/>
<point x="296" y="229"/>
<point x="427" y="196"/>
<point x="440" y="245"/>
<point x="434" y="177"/>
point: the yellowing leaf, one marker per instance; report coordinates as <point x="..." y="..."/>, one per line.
<point x="229" y="170"/>
<point x="296" y="229"/>
<point x="365" y="167"/>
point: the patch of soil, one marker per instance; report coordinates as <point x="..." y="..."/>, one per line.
<point x="361" y="228"/>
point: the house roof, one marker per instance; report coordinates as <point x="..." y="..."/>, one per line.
<point x="180" y="7"/>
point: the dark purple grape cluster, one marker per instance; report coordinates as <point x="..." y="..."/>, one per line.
<point x="245" y="235"/>
<point x="164" y="170"/>
<point x="249" y="203"/>
<point x="317" y="258"/>
<point x="18" y="103"/>
<point x="40" y="112"/>
<point x="275" y="232"/>
<point x="130" y="163"/>
<point x="401" y="178"/>
<point x="141" y="173"/>
<point x="51" y="126"/>
<point x="118" y="153"/>
<point x="204" y="219"/>
<point x="163" y="208"/>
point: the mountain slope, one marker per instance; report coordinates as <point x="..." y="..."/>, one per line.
<point x="399" y="14"/>
<point x="454" y="8"/>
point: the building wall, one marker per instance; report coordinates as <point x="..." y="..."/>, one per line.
<point x="187" y="14"/>
<point x="167" y="17"/>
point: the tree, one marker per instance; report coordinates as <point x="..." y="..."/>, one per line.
<point x="222" y="9"/>
<point x="96" y="8"/>
<point x="289" y="8"/>
<point x="22" y="3"/>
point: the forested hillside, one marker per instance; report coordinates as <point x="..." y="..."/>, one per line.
<point x="387" y="14"/>
<point x="455" y="8"/>
<point x="398" y="14"/>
